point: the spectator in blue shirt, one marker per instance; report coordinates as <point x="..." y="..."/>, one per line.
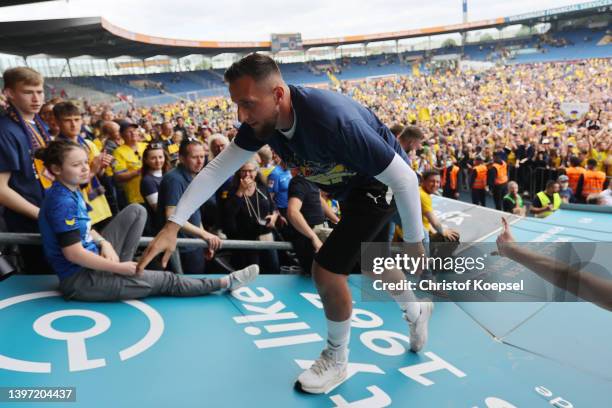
<point x="566" y="193"/>
<point x="173" y="185"/>
<point x="96" y="266"/>
<point x="278" y="184"/>
<point x="155" y="163"/>
<point x="22" y="178"/>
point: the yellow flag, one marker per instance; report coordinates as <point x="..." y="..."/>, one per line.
<point x="424" y="115"/>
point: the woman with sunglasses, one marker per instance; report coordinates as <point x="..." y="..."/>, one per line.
<point x="250" y="214"/>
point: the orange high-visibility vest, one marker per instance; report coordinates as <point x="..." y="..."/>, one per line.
<point x="573" y="174"/>
<point x="453" y="177"/>
<point x="481" y="177"/>
<point x="502" y="173"/>
<point x="593" y="182"/>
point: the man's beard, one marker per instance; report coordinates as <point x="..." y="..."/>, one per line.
<point x="265" y="131"/>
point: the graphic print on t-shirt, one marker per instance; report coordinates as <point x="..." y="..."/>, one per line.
<point x="325" y="174"/>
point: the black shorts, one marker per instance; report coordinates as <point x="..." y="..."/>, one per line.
<point x="365" y="217"/>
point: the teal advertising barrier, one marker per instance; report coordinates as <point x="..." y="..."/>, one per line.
<point x="247" y="348"/>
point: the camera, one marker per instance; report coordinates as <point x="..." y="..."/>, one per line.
<point x="6" y="268"/>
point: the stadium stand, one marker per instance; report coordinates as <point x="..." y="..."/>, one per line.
<point x="516" y="127"/>
<point x="577" y="44"/>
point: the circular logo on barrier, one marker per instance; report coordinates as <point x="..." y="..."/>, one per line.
<point x="76" y="341"/>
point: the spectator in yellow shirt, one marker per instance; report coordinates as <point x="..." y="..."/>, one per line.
<point x="429" y="185"/>
<point x="69" y="120"/>
<point x="128" y="162"/>
<point x="166" y="132"/>
<point x="599" y="154"/>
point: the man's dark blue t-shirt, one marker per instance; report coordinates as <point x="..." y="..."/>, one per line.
<point x="15" y="158"/>
<point x="338" y="144"/>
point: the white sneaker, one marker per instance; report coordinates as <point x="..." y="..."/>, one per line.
<point x="324" y="374"/>
<point x="420" y="328"/>
<point x="243" y="277"/>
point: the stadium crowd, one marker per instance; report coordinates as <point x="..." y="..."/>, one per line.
<point x="522" y="113"/>
<point x="539" y="133"/>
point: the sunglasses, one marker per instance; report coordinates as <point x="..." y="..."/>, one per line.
<point x="248" y="171"/>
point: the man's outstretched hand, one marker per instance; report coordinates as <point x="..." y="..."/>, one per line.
<point x="164" y="241"/>
<point x="505" y="239"/>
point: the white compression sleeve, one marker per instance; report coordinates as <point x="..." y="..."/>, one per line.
<point x="403" y="181"/>
<point x="204" y="185"/>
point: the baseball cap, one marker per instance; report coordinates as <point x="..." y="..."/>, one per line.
<point x="126" y="123"/>
<point x="563" y="178"/>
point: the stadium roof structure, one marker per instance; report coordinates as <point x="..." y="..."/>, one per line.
<point x="7" y="3"/>
<point x="97" y="37"/>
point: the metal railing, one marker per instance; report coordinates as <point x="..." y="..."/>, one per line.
<point x="541" y="176"/>
<point x="532" y="179"/>
<point x="35" y="239"/>
<point x="12" y="238"/>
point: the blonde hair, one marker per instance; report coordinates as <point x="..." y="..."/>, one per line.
<point x="28" y="76"/>
<point x="253" y="161"/>
<point x="265" y="154"/>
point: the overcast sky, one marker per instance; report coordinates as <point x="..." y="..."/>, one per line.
<point x="249" y="20"/>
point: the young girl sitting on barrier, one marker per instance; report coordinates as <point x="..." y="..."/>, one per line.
<point x="98" y="266"/>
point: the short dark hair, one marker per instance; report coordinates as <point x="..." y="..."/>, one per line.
<point x="185" y="143"/>
<point x="551" y="183"/>
<point x="412" y="132"/>
<point x="396" y="129"/>
<point x="257" y="66"/>
<point x="592" y="162"/>
<point x="429" y="173"/>
<point x="64" y="109"/>
<point x="575" y="161"/>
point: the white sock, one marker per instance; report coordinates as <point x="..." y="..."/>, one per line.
<point x="409" y="304"/>
<point x="338" y="337"/>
